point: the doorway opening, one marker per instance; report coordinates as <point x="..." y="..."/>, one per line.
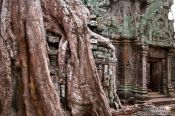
<point x="154" y="75"/>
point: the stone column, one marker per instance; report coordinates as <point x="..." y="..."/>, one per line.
<point x="112" y="74"/>
<point x="125" y="88"/>
<point x="143" y="88"/>
<point x="164" y="76"/>
<point x="124" y="51"/>
<point x="126" y="61"/>
<point x="100" y="70"/>
<point x="169" y="71"/>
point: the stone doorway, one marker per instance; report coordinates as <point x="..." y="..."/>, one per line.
<point x="154" y="79"/>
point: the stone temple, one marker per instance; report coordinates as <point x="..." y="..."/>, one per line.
<point x="144" y="41"/>
<point x="144" y="61"/>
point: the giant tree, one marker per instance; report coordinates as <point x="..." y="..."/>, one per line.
<point x="26" y="87"/>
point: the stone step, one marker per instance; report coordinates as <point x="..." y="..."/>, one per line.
<point x="155" y="95"/>
<point x="162" y="101"/>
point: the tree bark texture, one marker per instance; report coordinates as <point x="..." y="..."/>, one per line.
<point x="26" y="86"/>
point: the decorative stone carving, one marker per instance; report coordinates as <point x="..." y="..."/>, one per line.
<point x="145" y="21"/>
<point x="155" y="17"/>
<point x="169" y="70"/>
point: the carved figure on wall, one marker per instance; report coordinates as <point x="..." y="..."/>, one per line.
<point x="154" y="26"/>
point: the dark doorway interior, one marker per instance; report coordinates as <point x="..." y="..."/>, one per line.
<point x="154" y="75"/>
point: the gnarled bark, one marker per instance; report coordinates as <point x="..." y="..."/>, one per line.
<point x="24" y="24"/>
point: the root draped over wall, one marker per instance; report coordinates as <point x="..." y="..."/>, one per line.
<point x="23" y="27"/>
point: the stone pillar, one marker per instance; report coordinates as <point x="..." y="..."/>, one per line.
<point x="164" y="77"/>
<point x="125" y="87"/>
<point x="126" y="62"/>
<point x="143" y="88"/>
<point x="169" y="81"/>
<point x="124" y="51"/>
<point x="112" y="74"/>
<point x="100" y="71"/>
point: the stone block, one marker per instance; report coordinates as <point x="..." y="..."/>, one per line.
<point x="93" y="41"/>
<point x="53" y="39"/>
<point x="93" y="46"/>
<point x="93" y="23"/>
<point x="103" y="49"/>
<point x="53" y="52"/>
<point x="93" y="16"/>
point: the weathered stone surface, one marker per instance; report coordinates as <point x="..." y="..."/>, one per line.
<point x="142" y="35"/>
<point x="151" y="22"/>
<point x="141" y="19"/>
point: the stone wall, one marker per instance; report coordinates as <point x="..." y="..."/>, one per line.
<point x="173" y="72"/>
<point x="127" y="66"/>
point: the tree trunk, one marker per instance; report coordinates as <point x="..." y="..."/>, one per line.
<point x="26" y="85"/>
